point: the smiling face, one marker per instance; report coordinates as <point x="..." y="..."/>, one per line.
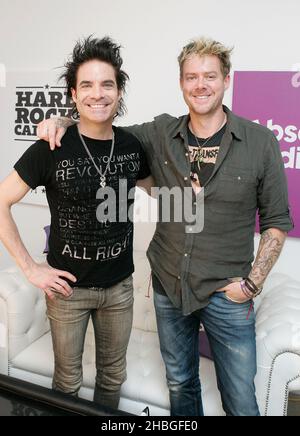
<point x="203" y="84"/>
<point x="96" y="94"/>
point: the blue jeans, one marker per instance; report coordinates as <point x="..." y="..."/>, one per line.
<point x="232" y="340"/>
<point x="111" y="311"/>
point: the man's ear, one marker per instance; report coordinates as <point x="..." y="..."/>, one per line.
<point x="181" y="82"/>
<point x="74" y="95"/>
<point x="227" y="81"/>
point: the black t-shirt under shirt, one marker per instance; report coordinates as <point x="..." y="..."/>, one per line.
<point x="200" y="173"/>
<point x="98" y="254"/>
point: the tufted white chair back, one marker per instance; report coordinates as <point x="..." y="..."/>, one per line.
<point x="26" y="313"/>
<point x="143" y="313"/>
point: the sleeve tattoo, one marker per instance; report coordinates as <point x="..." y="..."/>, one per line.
<point x="271" y="244"/>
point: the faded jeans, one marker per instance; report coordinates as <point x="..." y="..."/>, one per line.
<point x="231" y="334"/>
<point x="111" y="311"/>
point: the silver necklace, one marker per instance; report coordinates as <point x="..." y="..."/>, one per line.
<point x="199" y="157"/>
<point x="102" y="175"/>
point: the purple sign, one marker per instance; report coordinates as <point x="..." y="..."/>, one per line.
<point x="272" y="99"/>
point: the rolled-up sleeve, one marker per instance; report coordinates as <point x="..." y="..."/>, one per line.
<point x="273" y="204"/>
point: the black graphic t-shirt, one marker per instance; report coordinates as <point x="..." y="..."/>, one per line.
<point x="203" y="161"/>
<point x="97" y="251"/>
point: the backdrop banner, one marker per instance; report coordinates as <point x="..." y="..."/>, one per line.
<point x="26" y="99"/>
<point x="272" y="99"/>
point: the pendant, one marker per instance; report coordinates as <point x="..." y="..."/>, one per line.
<point x="199" y="157"/>
<point x="102" y="182"/>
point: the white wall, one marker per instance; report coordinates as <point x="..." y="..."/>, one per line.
<point x="38" y="35"/>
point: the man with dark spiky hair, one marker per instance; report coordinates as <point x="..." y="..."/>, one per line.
<point x="90" y="260"/>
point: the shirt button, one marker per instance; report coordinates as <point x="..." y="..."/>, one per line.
<point x="179" y="277"/>
<point x="239" y="178"/>
<point x="187" y="155"/>
<point x="185" y="255"/>
<point x="185" y="178"/>
<point x="166" y="163"/>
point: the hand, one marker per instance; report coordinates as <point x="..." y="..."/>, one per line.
<point x="49" y="280"/>
<point x="52" y="130"/>
<point x="234" y="293"/>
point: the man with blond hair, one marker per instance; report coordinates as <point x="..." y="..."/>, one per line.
<point x="210" y="277"/>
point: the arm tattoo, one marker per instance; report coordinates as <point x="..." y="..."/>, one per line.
<point x="271" y="244"/>
<point x="64" y="122"/>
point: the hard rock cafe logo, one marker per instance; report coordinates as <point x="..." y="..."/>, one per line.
<point x="36" y="103"/>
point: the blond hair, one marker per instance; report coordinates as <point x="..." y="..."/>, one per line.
<point x="206" y="46"/>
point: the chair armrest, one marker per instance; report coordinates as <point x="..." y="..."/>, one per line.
<point x="22" y="315"/>
<point x="278" y="344"/>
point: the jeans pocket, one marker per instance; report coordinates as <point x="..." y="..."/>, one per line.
<point x="127" y="283"/>
<point x="60" y="296"/>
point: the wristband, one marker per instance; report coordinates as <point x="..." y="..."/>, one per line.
<point x="245" y="290"/>
<point x="252" y="284"/>
<point x="252" y="287"/>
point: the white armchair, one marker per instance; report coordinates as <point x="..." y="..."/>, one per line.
<point x="278" y="343"/>
<point x="26" y="349"/>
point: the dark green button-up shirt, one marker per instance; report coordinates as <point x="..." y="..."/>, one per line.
<point x="248" y="177"/>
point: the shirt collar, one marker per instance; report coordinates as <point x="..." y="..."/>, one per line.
<point x="232" y="125"/>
